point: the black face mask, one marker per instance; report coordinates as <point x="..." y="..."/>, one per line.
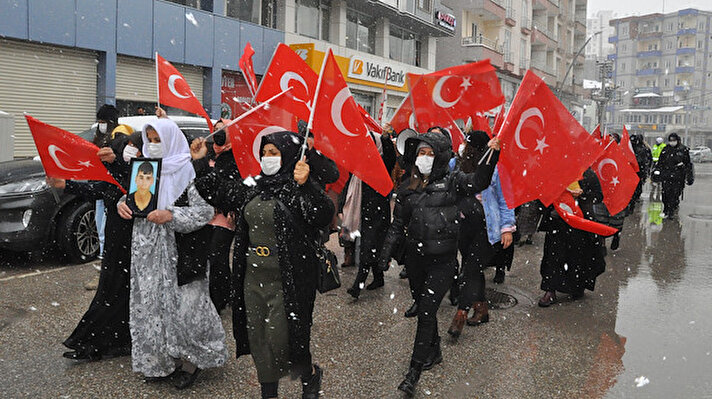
<point x="219" y="138"/>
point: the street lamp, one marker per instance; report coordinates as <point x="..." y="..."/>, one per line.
<point x="560" y="84"/>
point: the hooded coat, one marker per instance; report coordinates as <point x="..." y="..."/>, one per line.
<point x="309" y="209"/>
<point x="675" y="165"/>
<point x="430" y="215"/>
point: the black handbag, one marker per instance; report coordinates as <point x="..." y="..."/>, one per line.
<point x="328" y="278"/>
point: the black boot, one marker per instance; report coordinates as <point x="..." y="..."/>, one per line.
<point x="311" y="386"/>
<point x="403" y="274"/>
<point x="411" y="379"/>
<point x="377" y="280"/>
<point x="499" y="275"/>
<point x="455" y="292"/>
<point x="616" y="241"/>
<point x="412" y="311"/>
<point x="436" y="356"/>
<point x="358" y="285"/>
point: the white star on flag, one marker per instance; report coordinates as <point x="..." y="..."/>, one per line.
<point x="85" y="164"/>
<point x="465" y="82"/>
<point x="540" y="145"/>
<point x="615" y="181"/>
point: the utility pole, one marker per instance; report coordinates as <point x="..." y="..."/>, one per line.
<point x="605" y="94"/>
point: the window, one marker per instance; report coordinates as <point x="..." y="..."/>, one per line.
<point x="360" y="31"/>
<point x="667" y="82"/>
<point x="623" y="67"/>
<point x="669" y="27"/>
<point x="245" y="10"/>
<point x="313" y="18"/>
<point x="206" y="5"/>
<point x="424" y="5"/>
<point x="669" y="45"/>
<point x="699" y="44"/>
<point x="506" y="46"/>
<point x="523" y="54"/>
<point x="404" y="46"/>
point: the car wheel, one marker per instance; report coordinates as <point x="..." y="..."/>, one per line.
<point x="77" y="235"/>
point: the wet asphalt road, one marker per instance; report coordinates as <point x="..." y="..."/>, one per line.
<point x="646" y="332"/>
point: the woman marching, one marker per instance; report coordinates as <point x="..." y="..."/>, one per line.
<point x="485" y="238"/>
<point x="275" y="269"/>
<point x="426" y="205"/>
<point x="175" y="329"/>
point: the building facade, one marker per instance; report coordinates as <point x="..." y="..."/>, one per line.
<point x="663" y="75"/>
<point x="599" y="47"/>
<point x="61" y="59"/>
<point x="517" y="35"/>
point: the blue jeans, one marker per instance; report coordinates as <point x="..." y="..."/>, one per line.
<point x="100" y="219"/>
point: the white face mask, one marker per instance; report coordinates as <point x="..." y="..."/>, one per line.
<point x="154" y="150"/>
<point x="673" y="143"/>
<point x="424" y="164"/>
<point x="130" y="152"/>
<point x="270" y="165"/>
<point x="102" y="128"/>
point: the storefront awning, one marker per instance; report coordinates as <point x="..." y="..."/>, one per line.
<point x="661" y="110"/>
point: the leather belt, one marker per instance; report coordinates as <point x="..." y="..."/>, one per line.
<point x="261" y="251"/>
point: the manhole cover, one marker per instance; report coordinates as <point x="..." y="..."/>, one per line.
<point x="9" y="315"/>
<point x="499" y="300"/>
<point x="701" y="217"/>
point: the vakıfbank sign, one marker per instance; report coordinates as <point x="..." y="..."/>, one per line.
<point x="376" y="71"/>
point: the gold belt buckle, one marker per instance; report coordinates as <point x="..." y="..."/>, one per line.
<point x="262" y="251"/>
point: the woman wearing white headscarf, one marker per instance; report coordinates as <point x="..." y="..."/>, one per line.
<point x="175" y="329"/>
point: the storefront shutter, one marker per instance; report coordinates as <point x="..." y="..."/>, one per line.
<point x="136" y="79"/>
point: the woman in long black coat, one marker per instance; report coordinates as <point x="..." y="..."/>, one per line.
<point x="298" y="207"/>
<point x="375" y="218"/>
<point x="104" y="329"/>
<point x="573" y="258"/>
<point x="676" y="169"/>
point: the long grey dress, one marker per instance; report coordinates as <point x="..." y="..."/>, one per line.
<point x="168" y="322"/>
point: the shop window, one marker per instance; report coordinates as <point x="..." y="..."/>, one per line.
<point x="206" y="5"/>
<point x="313" y="18"/>
<point x="360" y="31"/>
<point x="244" y="10"/>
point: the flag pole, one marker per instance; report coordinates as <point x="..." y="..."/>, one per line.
<point x="384" y="95"/>
<point x="158" y="86"/>
<point x="310" y="123"/>
<point x="248" y="112"/>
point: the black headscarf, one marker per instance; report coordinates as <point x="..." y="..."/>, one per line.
<point x="475" y="147"/>
<point x="289" y="145"/>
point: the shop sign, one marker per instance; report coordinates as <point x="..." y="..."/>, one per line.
<point x="446" y="20"/>
<point x="374" y="70"/>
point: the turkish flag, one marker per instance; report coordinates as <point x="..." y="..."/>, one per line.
<point x="498" y="121"/>
<point x="480" y="122"/>
<point x="617" y="177"/>
<point x="428" y="114"/>
<point x="404" y="118"/>
<point x="248" y="70"/>
<point x="463" y="90"/>
<point x="286" y="70"/>
<point x="628" y="151"/>
<point x="67" y="156"/>
<point x="567" y="207"/>
<point x="246" y="134"/>
<point x="544" y="148"/>
<point x="351" y="147"/>
<point x="174" y="91"/>
<point x="371" y="123"/>
<point x="597" y="132"/>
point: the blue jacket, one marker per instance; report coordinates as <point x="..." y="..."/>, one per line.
<point x="498" y="216"/>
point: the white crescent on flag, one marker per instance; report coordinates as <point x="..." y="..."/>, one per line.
<point x="52" y="149"/>
<point x="526" y="115"/>
<point x="438" y="97"/>
<point x="258" y="139"/>
<point x="337" y="106"/>
<point x="605" y="162"/>
<point x="172" y="86"/>
<point x="288" y="77"/>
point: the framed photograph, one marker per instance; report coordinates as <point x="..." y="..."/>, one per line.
<point x="143" y="187"/>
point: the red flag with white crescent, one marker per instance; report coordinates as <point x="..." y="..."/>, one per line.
<point x="174" y="91"/>
<point x="67" y="156"/>
<point x="404" y="118"/>
<point x="628" y="151"/>
<point x="544" y="148"/>
<point x="428" y="114"/>
<point x="569" y="210"/>
<point x="371" y="123"/>
<point x="287" y="69"/>
<point x="339" y="131"/>
<point x="617" y="177"/>
<point x="246" y="134"/>
<point x="248" y="69"/>
<point x="481" y="122"/>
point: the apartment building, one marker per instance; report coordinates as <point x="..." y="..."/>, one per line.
<point x="599" y="47"/>
<point x="663" y="74"/>
<point x="517" y="35"/>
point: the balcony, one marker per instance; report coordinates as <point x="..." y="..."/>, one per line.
<point x="526" y="25"/>
<point x="542" y="5"/>
<point x="490" y="10"/>
<point x="613" y="39"/>
<point x="648" y="71"/>
<point x="687" y="31"/>
<point x="508" y="62"/>
<point x="523" y="65"/>
<point x="544" y="72"/>
<point x="685" y="69"/>
<point x="580" y="27"/>
<point x="612" y="57"/>
<point x="649" y="35"/>
<point x="689" y="11"/>
<point x="541" y="36"/>
<point x="510" y="17"/>
<point x="651" y="53"/>
<point x="685" y="50"/>
<point x="479" y="48"/>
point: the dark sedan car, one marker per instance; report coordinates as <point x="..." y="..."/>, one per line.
<point x="35" y="217"/>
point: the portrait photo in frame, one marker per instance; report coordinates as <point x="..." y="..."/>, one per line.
<point x="142" y="196"/>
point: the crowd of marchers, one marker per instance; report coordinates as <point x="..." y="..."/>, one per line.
<point x="165" y="278"/>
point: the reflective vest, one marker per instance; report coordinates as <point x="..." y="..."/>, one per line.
<point x="657" y="149"/>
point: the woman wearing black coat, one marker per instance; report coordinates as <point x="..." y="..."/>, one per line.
<point x="274" y="265"/>
<point x="427" y="207"/>
<point x="104" y="328"/>
<point x="675" y="169"/>
<point x="374" y="217"/>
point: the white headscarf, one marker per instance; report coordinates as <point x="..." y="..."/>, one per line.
<point x="176" y="169"/>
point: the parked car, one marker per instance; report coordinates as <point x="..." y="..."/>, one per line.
<point x="701" y="154"/>
<point x="36" y="217"/>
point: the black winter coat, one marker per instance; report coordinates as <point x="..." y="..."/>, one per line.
<point x="431" y="215"/>
<point x="675" y="166"/>
<point x="310" y="209"/>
